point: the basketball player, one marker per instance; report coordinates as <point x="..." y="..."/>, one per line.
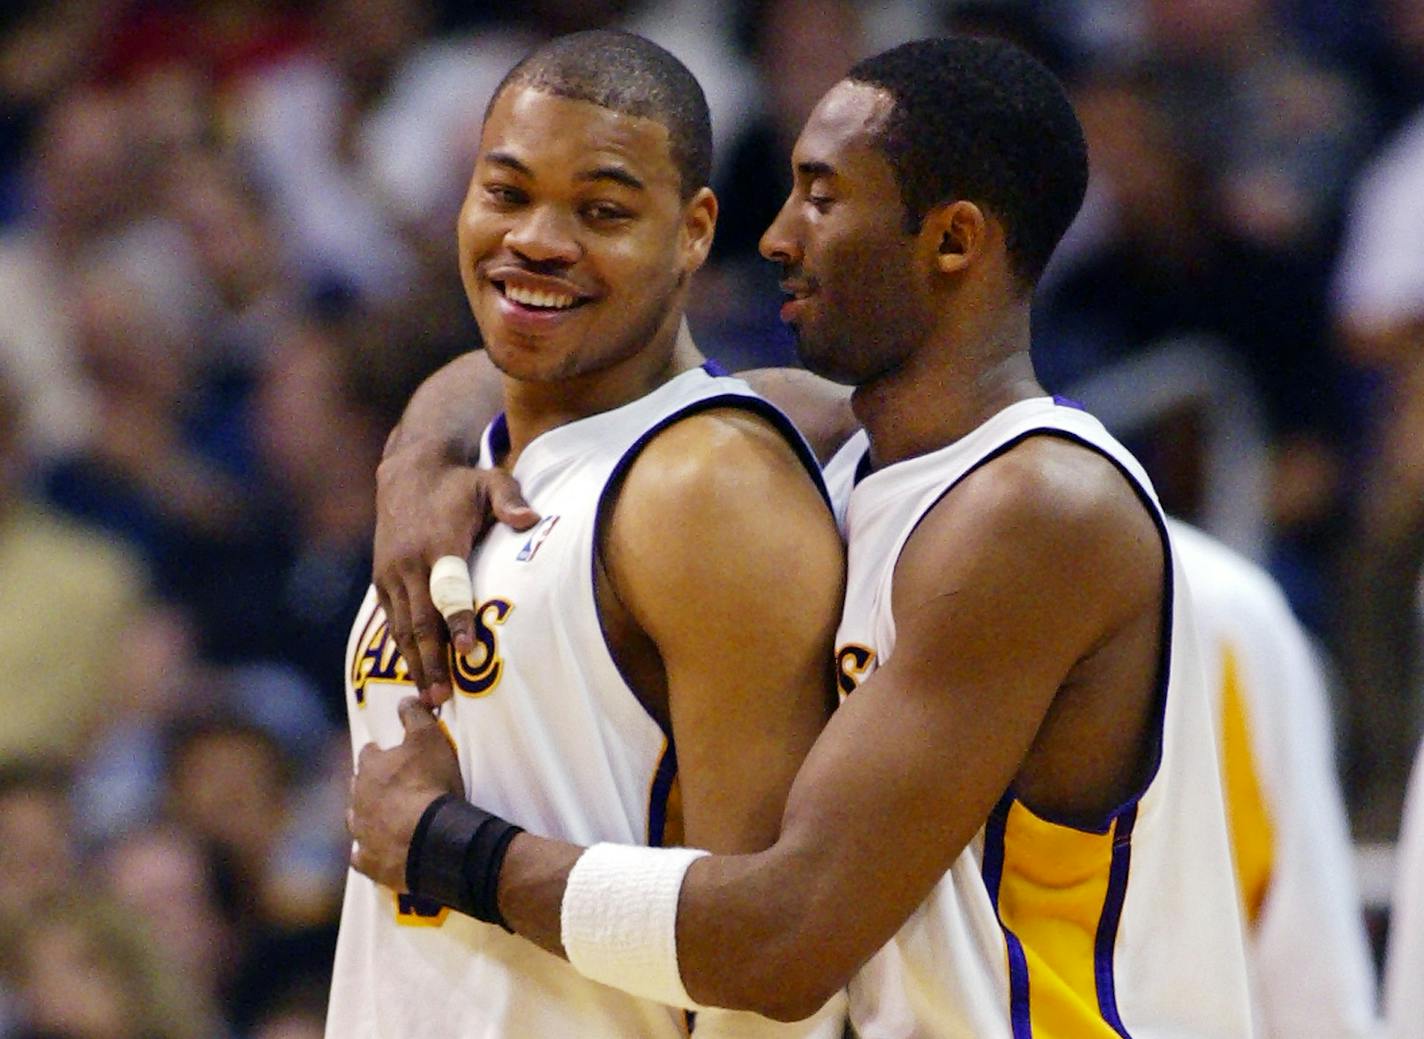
<point x="651" y="629"/>
<point x="1014" y="824"/>
<point x="1306" y="944"/>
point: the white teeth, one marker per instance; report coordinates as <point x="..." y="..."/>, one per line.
<point x="535" y="298"/>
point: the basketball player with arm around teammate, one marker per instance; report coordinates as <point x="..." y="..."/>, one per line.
<point x="652" y="640"/>
<point x="1013" y="826"/>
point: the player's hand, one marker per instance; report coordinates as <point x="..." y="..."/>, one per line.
<point x="391" y="790"/>
<point x="430" y="504"/>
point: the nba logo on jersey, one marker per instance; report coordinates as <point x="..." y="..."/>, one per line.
<point x="537" y="537"/>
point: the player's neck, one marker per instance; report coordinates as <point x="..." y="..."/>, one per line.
<point x="533" y="408"/>
<point x="948" y="389"/>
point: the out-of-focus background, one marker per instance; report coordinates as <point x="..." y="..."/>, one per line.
<point x="227" y="257"/>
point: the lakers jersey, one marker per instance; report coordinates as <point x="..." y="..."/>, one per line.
<point x="548" y="734"/>
<point x="1041" y="929"/>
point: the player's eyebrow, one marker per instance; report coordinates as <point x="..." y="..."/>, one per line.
<point x="815" y="168"/>
<point x="508" y="161"/>
<point x="617" y="174"/>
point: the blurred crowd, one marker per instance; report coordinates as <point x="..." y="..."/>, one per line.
<point x="227" y="258"/>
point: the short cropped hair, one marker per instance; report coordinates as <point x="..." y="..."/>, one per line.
<point x="980" y="119"/>
<point x="632" y="75"/>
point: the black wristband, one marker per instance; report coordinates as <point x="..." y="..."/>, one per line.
<point x="455" y="856"/>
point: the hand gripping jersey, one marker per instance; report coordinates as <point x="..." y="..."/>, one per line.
<point x="548" y="734"/>
<point x="1041" y="929"/>
<point x="1307" y="950"/>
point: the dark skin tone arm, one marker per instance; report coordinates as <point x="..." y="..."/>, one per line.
<point x="431" y="501"/>
<point x="1027" y="606"/>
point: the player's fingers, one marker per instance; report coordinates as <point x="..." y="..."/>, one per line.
<point x="404" y="635"/>
<point x="429" y="632"/>
<point x="507" y="503"/>
<point x="415" y="716"/>
<point x="462" y="631"/>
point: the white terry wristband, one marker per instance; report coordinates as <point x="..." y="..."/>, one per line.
<point x="619" y="919"/>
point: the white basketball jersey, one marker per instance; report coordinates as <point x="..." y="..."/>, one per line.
<point x="1307" y="948"/>
<point x="548" y="734"/>
<point x="1041" y="929"/>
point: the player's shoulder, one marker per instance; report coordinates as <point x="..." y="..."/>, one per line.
<point x="1046" y="514"/>
<point x="714" y="450"/>
<point x="1056" y="481"/>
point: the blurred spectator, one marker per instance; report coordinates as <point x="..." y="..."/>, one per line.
<point x="363" y="137"/>
<point x="292" y="595"/>
<point x="162" y="875"/>
<point x="230" y="784"/>
<point x="83" y="970"/>
<point x="65" y="585"/>
<point x="159" y="683"/>
<point x="38" y="859"/>
<point x="45" y="49"/>
<point x="1380" y="312"/>
<point x="1167" y="267"/>
<point x="1394" y="65"/>
<point x="799" y="48"/>
<point x="237" y="250"/>
<point x="220" y="40"/>
<point x="85" y="178"/>
<point x="1280" y="132"/>
<point x="161" y="467"/>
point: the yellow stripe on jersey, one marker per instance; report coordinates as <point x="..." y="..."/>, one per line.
<point x="1247" y="816"/>
<point x="1053" y="893"/>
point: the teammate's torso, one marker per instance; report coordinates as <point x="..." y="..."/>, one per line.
<point x="1041" y="929"/>
<point x="548" y="734"/>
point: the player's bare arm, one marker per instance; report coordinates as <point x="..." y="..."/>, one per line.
<point x="1028" y="606"/>
<point x="741" y="608"/>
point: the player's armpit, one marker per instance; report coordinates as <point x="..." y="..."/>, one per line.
<point x="1003" y="588"/>
<point x="724" y="552"/>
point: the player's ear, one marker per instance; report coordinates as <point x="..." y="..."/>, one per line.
<point x="699" y="222"/>
<point x="956" y="233"/>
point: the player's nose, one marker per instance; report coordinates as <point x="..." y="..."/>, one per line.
<point x="543" y="235"/>
<point x="780" y="244"/>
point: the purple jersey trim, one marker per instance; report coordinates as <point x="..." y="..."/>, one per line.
<point x="715" y="369"/>
<point x="1108" y="923"/>
<point x="658" y="795"/>
<point x="993" y="872"/>
<point x="1068" y="402"/>
<point x="499" y="437"/>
